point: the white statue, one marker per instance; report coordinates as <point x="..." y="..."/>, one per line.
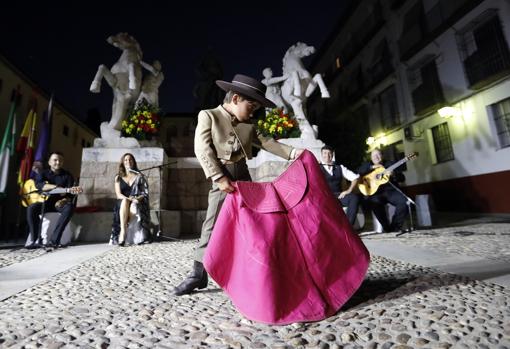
<point x="300" y="85"/>
<point x="125" y="78"/>
<point x="273" y="90"/>
<point x="151" y="83"/>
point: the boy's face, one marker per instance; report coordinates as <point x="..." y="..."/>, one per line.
<point x="244" y="108"/>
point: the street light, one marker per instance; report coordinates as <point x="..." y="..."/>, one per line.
<point x="448" y="112"/>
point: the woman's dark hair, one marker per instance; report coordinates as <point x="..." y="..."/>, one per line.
<point x="122" y="168"/>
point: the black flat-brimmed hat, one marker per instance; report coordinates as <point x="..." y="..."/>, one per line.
<point x="248" y="87"/>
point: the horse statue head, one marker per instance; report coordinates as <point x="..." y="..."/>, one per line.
<point x="124" y="41"/>
<point x="292" y="58"/>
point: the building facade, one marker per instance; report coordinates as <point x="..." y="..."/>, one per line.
<point x="68" y="134"/>
<point x="431" y="77"/>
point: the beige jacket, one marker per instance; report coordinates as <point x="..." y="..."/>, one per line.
<point x="215" y="138"/>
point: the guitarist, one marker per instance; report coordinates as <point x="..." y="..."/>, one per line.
<point x="46" y="180"/>
<point x="386" y="193"/>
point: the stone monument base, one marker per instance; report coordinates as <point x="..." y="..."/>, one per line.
<point x="99" y="167"/>
<point x="97" y="226"/>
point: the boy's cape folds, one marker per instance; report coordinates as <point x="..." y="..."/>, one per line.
<point x="284" y="251"/>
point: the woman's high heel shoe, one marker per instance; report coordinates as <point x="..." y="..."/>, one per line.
<point x="122" y="243"/>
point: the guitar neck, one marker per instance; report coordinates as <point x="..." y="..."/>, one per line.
<point x="397" y="164"/>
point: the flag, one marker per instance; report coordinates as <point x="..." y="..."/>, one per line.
<point x="44" y="136"/>
<point x="7" y="146"/>
<point x="26" y="145"/>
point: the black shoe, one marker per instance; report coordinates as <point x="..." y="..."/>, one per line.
<point x="61" y="246"/>
<point x="196" y="280"/>
<point x="49" y="247"/>
<point x="122" y="244"/>
<point x="404" y="231"/>
<point x="32" y="246"/>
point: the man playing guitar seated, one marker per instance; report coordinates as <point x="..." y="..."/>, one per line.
<point x="385" y="193"/>
<point x="54" y="179"/>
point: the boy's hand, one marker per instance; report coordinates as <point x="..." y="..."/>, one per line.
<point x="223" y="184"/>
<point x="297" y="153"/>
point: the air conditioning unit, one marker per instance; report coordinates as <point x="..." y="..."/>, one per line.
<point x="412" y="132"/>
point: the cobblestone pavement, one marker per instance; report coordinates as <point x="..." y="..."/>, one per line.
<point x="10" y="256"/>
<point x="121" y="299"/>
<point x="485" y="240"/>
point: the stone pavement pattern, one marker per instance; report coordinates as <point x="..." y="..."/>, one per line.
<point x="121" y="299"/>
<point x="484" y="240"/>
<point x="11" y="256"/>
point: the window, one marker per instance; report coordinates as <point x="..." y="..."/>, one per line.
<point x="484" y="50"/>
<point x="427" y="92"/>
<point x="381" y="62"/>
<point x="501" y="114"/>
<point x="388" y="108"/>
<point x="65" y="130"/>
<point x="442" y="143"/>
<point x="413" y="29"/>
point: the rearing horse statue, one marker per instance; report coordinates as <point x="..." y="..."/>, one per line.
<point x="125" y="78"/>
<point x="300" y="84"/>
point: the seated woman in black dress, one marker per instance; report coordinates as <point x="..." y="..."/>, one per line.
<point x="131" y="215"/>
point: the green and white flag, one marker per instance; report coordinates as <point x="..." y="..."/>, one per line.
<point x="7" y="146"/>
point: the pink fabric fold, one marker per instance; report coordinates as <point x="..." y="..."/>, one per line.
<point x="284" y="251"/>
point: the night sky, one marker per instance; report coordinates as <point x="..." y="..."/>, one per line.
<point x="61" y="47"/>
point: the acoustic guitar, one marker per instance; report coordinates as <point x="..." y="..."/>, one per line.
<point x="369" y="183"/>
<point x="30" y="194"/>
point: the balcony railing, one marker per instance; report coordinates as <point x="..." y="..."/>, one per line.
<point x="483" y="67"/>
<point x="427" y="97"/>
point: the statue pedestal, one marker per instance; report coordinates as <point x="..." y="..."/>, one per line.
<point x="266" y="166"/>
<point x="110" y="138"/>
<point x="97" y="177"/>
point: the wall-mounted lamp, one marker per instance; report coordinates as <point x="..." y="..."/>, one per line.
<point x="370" y="140"/>
<point x="448" y="112"/>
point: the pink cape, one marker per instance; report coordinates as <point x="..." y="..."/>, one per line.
<point x="284" y="251"/>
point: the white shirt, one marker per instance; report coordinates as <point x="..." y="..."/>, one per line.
<point x="346" y="173"/>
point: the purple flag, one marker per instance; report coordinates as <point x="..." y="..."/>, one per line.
<point x="44" y="136"/>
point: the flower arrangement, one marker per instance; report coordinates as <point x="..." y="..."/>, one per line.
<point x="277" y="124"/>
<point x="142" y="123"/>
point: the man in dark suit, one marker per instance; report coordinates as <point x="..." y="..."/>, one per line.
<point x="386" y="193"/>
<point x="334" y="174"/>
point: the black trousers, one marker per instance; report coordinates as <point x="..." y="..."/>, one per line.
<point x="351" y="201"/>
<point x="33" y="212"/>
<point x="377" y="203"/>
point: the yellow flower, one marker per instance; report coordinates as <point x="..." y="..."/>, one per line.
<point x="142" y="121"/>
<point x="280" y="129"/>
<point x="136" y="121"/>
<point x="138" y="129"/>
